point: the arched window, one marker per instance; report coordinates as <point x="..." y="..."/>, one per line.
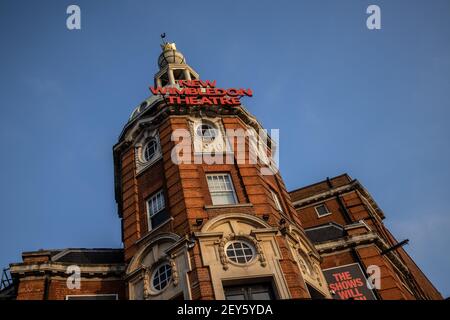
<point x="207" y="132"/>
<point x="149" y="150"/>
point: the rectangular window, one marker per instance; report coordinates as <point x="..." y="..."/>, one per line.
<point x="257" y="291"/>
<point x="156" y="206"/>
<point x="277" y="201"/>
<point x="221" y="189"/>
<point x="92" y="297"/>
<point x="322" y="210"/>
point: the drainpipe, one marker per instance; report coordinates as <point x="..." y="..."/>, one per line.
<point x="358" y="259"/>
<point x="343" y="209"/>
<point x="46" y="286"/>
<point x="348" y="219"/>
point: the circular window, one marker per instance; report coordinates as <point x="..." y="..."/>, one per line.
<point x="150" y="150"/>
<point x="207" y="132"/>
<point x="162" y="276"/>
<point x="240" y="251"/>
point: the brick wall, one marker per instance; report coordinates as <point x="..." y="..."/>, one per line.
<point x="394" y="283"/>
<point x="187" y="198"/>
<point x="55" y="288"/>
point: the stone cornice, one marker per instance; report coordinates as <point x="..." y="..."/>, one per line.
<point x="57" y="268"/>
<point x="323" y="195"/>
<point x="163" y="111"/>
<point x="353" y="185"/>
<point x="331" y="247"/>
<point x="229" y="206"/>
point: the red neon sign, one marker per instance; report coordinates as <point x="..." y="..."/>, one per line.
<point x="199" y="92"/>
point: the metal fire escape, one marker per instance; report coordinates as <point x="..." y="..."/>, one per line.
<point x="7" y="290"/>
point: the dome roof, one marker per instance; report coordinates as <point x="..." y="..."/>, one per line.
<point x="143" y="107"/>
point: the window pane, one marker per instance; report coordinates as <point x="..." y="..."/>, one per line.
<point x="276" y="200"/>
<point x="261" y="296"/>
<point x="258" y="291"/>
<point x="247" y="252"/>
<point x="156" y="203"/>
<point x="322" y="210"/>
<point x="159" y="218"/>
<point x="221" y="189"/>
<point x="150" y="150"/>
<point x="223" y="198"/>
<point x="238" y="296"/>
<point x="240" y="260"/>
<point x="93" y="297"/>
<point x="162" y="276"/>
<point x="207" y="133"/>
<point x="219" y="182"/>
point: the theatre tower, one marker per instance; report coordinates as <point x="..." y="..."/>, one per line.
<point x="205" y="229"/>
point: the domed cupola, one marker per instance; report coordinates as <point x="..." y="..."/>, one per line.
<point x="170" y="55"/>
<point x="172" y="66"/>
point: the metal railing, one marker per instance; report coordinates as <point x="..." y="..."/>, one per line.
<point x="6" y="279"/>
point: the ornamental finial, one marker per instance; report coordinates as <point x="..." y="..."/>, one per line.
<point x="167" y="45"/>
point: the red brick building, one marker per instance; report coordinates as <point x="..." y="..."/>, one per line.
<point x="346" y="226"/>
<point x="220" y="230"/>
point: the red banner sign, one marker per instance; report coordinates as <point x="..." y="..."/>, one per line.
<point x="199" y="92"/>
<point x="348" y="282"/>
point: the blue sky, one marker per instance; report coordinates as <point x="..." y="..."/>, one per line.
<point x="374" y="104"/>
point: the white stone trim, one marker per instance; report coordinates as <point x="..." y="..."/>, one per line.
<point x="141" y="142"/>
<point x="220" y="143"/>
<point x="227" y="227"/>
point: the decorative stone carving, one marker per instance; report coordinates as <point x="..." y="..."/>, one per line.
<point x="146" y="282"/>
<point x="143" y="139"/>
<point x="262" y="258"/>
<point x="232" y="236"/>
<point x="175" y="276"/>
<point x="317" y="273"/>
<point x="219" y="144"/>
<point x="222" y="255"/>
<point x="303" y="266"/>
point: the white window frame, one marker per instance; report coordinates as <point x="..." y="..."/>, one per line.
<point x="169" y="280"/>
<point x="220" y="144"/>
<point x="322" y="215"/>
<point x="141" y="163"/>
<point x="211" y="128"/>
<point x="233" y="192"/>
<point x="248" y="244"/>
<point x="155" y="153"/>
<point x="151" y="214"/>
<point x="276" y="199"/>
